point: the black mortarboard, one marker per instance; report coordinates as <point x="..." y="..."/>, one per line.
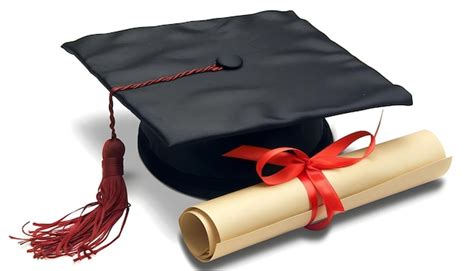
<point x="203" y="88"/>
<point x="286" y="77"/>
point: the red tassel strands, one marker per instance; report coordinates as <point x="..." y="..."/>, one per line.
<point x="86" y="233"/>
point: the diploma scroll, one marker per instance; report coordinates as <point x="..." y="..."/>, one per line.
<point x="240" y="219"/>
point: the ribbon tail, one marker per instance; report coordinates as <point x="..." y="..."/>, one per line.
<point x="313" y="195"/>
<point x="329" y="196"/>
<point x="253" y="153"/>
<point x="246" y="152"/>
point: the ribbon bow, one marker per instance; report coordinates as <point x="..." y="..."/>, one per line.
<point x="298" y="164"/>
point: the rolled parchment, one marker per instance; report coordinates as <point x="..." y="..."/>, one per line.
<point x="240" y="219"/>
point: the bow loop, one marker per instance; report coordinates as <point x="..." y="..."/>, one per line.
<point x="293" y="164"/>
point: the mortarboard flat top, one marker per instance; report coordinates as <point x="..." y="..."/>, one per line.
<point x="291" y="71"/>
<point x="286" y="73"/>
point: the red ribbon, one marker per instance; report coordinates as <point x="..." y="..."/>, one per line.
<point x="308" y="170"/>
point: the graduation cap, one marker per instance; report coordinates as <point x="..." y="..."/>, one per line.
<point x="203" y="88"/>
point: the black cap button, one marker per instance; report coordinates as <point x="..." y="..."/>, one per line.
<point x="229" y="62"/>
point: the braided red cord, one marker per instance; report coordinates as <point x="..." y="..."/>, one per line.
<point x="162" y="79"/>
<point x="167" y="78"/>
<point x="111" y="115"/>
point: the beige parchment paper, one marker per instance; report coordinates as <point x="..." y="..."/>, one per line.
<point x="240" y="219"/>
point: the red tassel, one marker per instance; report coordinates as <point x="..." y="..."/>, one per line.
<point x="85" y="234"/>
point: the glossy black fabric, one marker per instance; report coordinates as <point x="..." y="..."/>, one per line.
<point x="291" y="71"/>
<point x="289" y="77"/>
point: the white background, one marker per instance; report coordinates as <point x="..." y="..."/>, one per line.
<point x="53" y="118"/>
